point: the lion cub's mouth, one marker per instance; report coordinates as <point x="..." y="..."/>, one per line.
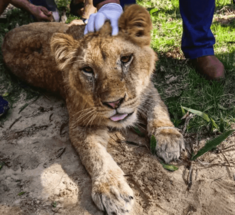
<point x="119" y="117"/>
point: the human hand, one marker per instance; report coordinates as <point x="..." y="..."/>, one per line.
<point x="41" y="13"/>
<point x="111" y="12"/>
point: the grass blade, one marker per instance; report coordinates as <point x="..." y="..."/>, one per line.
<point x="54" y="204"/>
<point x="153" y="11"/>
<point x="222" y="108"/>
<point x="198" y="113"/>
<point x="183" y="111"/>
<point x="1" y="165"/>
<point x="169" y="167"/>
<point x="23" y="107"/>
<point x="153" y="143"/>
<point x="212" y="144"/>
<point x="222" y="124"/>
<point x="213" y="125"/>
<point x="5" y="94"/>
<point x="137" y="131"/>
<point x="21" y="193"/>
<point x="208" y="108"/>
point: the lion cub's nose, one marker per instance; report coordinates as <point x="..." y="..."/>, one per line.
<point x="114" y="104"/>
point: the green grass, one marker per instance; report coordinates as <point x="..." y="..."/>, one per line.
<point x="177" y="82"/>
<point x="188" y="88"/>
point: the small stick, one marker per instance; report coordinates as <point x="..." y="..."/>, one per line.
<point x="187" y="119"/>
<point x="60" y="152"/>
<point x="229" y="172"/>
<point x="190" y="178"/>
<point x="62" y="128"/>
<point x="233" y="146"/>
<point x="50" y="117"/>
<point x="217" y="179"/>
<point x="225" y="157"/>
<point x="14" y="122"/>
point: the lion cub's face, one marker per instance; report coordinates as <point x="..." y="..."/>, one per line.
<point x="110" y="73"/>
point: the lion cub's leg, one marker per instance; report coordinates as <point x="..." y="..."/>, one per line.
<point x="169" y="140"/>
<point x="110" y="191"/>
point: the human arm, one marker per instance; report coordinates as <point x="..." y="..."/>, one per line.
<point x="39" y="12"/>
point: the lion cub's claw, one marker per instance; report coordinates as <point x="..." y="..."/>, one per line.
<point x="170" y="143"/>
<point x="113" y="196"/>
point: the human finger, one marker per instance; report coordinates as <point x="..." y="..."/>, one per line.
<point x="45" y="11"/>
<point x="91" y="22"/>
<point x="99" y="21"/>
<point x="42" y="16"/>
<point x="86" y="30"/>
<point x="114" y="25"/>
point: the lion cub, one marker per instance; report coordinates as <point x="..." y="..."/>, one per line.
<point x="105" y="81"/>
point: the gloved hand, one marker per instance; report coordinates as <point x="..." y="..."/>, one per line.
<point x="111" y="12"/>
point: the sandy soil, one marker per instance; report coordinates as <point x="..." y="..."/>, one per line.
<point x="43" y="175"/>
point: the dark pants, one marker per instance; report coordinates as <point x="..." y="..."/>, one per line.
<point x="197" y="39"/>
<point x="49" y="4"/>
<point x="127" y="2"/>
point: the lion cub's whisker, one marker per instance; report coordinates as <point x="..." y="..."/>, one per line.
<point x="83" y="110"/>
<point x="142" y="111"/>
<point x="87" y="114"/>
<point x="93" y="117"/>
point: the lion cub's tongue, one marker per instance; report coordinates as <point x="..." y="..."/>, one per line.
<point x="118" y="117"/>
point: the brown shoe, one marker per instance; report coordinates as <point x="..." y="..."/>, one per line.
<point x="210" y="67"/>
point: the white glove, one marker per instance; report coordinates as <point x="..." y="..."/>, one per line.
<point x="111" y="12"/>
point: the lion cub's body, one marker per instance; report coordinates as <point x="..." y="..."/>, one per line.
<point x="106" y="83"/>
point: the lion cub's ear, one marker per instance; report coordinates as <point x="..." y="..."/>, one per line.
<point x="63" y="47"/>
<point x="135" y="25"/>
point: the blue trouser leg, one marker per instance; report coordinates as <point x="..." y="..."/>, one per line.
<point x="49" y="4"/>
<point x="197" y="39"/>
<point x="127" y="2"/>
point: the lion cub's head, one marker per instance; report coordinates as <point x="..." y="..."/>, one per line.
<point x="108" y="74"/>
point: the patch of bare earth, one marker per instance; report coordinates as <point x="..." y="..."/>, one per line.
<point x="44" y="175"/>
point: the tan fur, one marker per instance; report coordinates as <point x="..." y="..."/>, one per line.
<point x="26" y="52"/>
<point x="136" y="25"/>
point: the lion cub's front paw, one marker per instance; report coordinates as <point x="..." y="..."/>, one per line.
<point x="113" y="195"/>
<point x="170" y="143"/>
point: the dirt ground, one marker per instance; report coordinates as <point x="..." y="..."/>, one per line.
<point x="43" y="175"/>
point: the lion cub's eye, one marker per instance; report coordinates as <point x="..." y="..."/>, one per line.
<point x="126" y="59"/>
<point x="88" y="70"/>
